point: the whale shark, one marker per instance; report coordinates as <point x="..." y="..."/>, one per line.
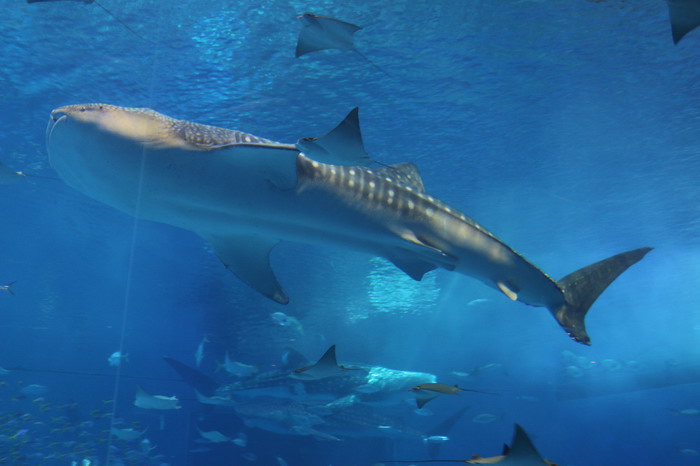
<point x="373" y="385"/>
<point x="244" y="194"/>
<point x="350" y="419"/>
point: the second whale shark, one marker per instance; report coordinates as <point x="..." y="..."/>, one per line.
<point x="243" y="194"/>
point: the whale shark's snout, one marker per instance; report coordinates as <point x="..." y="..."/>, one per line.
<point x="61" y="114"/>
<point x="54" y="118"/>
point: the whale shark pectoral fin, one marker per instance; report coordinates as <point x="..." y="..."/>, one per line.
<point x="582" y="287"/>
<point x="410" y="265"/>
<point x="341" y="146"/>
<point x="248" y="257"/>
<point x="275" y="163"/>
<point x="432" y="252"/>
<point x="684" y="16"/>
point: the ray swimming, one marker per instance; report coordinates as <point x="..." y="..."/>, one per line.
<point x="426" y="392"/>
<point x="243" y="194"/>
<point x="322" y="33"/>
<point x="325" y="367"/>
<point x="684" y="16"/>
<point x="522" y="452"/>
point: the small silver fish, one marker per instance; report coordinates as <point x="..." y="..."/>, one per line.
<point x="8" y="288"/>
<point x="199" y="354"/>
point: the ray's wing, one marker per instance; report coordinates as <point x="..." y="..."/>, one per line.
<point x="684" y="16"/>
<point x="321" y="33"/>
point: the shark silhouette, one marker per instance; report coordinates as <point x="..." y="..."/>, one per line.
<point x="373" y="385"/>
<point x="243" y="194"/>
<point x="345" y="418"/>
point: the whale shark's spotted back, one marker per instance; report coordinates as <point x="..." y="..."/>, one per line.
<point x="393" y="189"/>
<point x="157" y="129"/>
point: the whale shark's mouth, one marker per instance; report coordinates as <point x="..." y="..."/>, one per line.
<point x="56" y="117"/>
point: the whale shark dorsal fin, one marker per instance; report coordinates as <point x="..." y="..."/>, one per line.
<point x="684" y="16"/>
<point x="405" y="174"/>
<point x="248" y="257"/>
<point x="322" y="32"/>
<point x="341" y="146"/>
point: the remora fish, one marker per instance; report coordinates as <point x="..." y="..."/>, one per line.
<point x="243" y="194"/>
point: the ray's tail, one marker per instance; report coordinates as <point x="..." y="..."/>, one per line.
<point x="582" y="287"/>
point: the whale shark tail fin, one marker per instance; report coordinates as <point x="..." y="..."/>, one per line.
<point x="582" y="287"/>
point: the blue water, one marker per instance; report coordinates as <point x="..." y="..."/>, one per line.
<point x="569" y="129"/>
